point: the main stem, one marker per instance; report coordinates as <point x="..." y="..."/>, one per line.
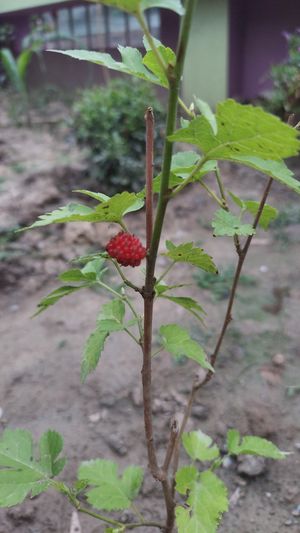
<point x="174" y="75"/>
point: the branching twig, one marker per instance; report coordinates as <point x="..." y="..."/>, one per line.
<point x="200" y="383"/>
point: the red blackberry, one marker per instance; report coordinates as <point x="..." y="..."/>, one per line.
<point x="127" y="249"/>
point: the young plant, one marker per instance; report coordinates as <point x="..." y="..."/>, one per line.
<point x="194" y="496"/>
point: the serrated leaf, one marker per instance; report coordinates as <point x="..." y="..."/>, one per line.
<point x="185" y="478"/>
<point x="206" y="111"/>
<point x="207" y="501"/>
<point x="56" y="295"/>
<point x="151" y="62"/>
<point x="267" y="216"/>
<point x="251" y="445"/>
<point x="178" y="342"/>
<point x="132" y="61"/>
<point x="184" y="159"/>
<point x="22" y="474"/>
<point x="199" y="446"/>
<point x="69" y="213"/>
<point x="276" y="169"/>
<point x="187" y="303"/>
<point x="225" y="223"/>
<point x="92" y="352"/>
<point x="99" y="196"/>
<point x="110" y="492"/>
<point x="188" y="253"/>
<point x="110" y="319"/>
<point x="243" y="130"/>
<point x="110" y="211"/>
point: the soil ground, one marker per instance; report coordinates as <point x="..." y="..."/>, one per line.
<point x="255" y="390"/>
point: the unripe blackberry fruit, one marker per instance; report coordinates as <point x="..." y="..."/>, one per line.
<point x="127" y="249"/>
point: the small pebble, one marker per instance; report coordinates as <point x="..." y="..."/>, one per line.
<point x="296" y="512"/>
<point x="201" y="412"/>
<point x="13" y="308"/>
<point x="95" y="417"/>
<point x="278" y="359"/>
<point x="297" y="446"/>
<point x="251" y="466"/>
<point x="263" y="268"/>
<point x="288" y="523"/>
<point x="228" y="462"/>
<point x="117" y="445"/>
<point x="1" y="413"/>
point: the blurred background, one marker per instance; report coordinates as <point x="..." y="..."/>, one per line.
<point x="68" y="125"/>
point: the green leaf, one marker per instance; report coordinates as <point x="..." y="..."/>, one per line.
<point x="178" y="342"/>
<point x="206" y="111"/>
<point x="173" y="5"/>
<point x="23" y="62"/>
<point x="268" y="214"/>
<point x="99" y="196"/>
<point x="132" y="61"/>
<point x="251" y="445"/>
<point x="187" y="303"/>
<point x="110" y="492"/>
<point x="185" y="478"/>
<point x="150" y="61"/>
<point x="207" y="501"/>
<point x="184" y="159"/>
<point x="111" y="316"/>
<point x="22" y="474"/>
<point x="225" y="223"/>
<point x="69" y="213"/>
<point x="11" y="70"/>
<point x="243" y="130"/>
<point x="188" y="253"/>
<point x="110" y="319"/>
<point x="130" y="6"/>
<point x="276" y="169"/>
<point x="92" y="352"/>
<point x="56" y="295"/>
<point x="111" y="210"/>
<point x="199" y="447"/>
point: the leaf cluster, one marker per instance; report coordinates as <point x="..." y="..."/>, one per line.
<point x="109" y="122"/>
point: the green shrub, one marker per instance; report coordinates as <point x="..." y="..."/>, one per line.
<point x="285" y="96"/>
<point x="109" y="121"/>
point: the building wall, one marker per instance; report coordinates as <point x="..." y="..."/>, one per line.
<point x="206" y="69"/>
<point x="257" y="42"/>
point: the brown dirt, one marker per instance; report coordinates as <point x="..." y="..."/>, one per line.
<point x="40" y="359"/>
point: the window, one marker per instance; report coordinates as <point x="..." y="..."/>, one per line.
<point x="96" y="27"/>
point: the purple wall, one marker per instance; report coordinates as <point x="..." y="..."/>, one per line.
<point x="256" y="42"/>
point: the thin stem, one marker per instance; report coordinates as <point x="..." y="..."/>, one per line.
<point x="141" y="19"/>
<point x="236" y="239"/>
<point x="136" y="315"/>
<point x="190" y="113"/>
<point x="149" y="118"/>
<point x="105" y="519"/>
<point x="137" y="512"/>
<point x="227" y="320"/>
<point x="132" y="336"/>
<point x="188" y="180"/>
<point x="221" y="187"/>
<point x="159" y="350"/>
<point x="165" y="272"/>
<point x="126" y="281"/>
<point x="109" y="289"/>
<point x="211" y="193"/>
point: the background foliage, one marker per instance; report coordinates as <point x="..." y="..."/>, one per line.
<point x="109" y="121"/>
